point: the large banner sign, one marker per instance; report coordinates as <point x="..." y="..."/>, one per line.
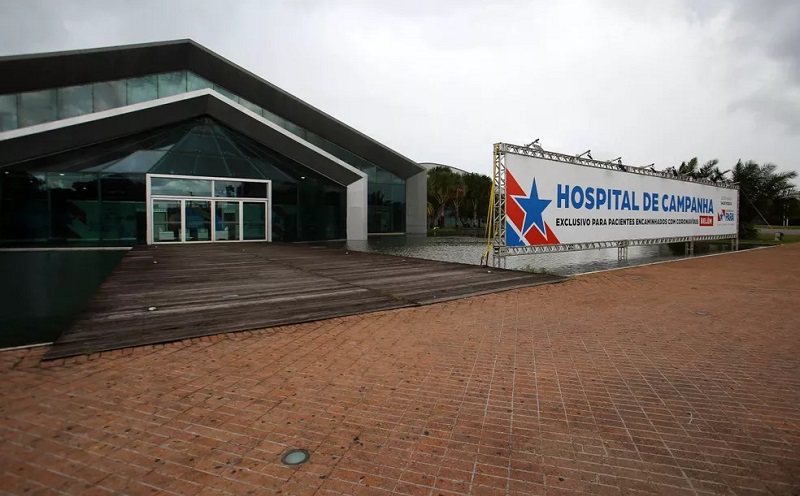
<point x="552" y="203"/>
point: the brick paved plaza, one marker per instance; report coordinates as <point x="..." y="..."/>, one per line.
<point x="680" y="378"/>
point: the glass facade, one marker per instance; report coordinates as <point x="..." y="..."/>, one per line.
<point x="97" y="194"/>
<point x="387" y="203"/>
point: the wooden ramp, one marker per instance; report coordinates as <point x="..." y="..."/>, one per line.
<point x="168" y="293"/>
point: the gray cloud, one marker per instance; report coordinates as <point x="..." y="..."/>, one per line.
<point x="441" y="81"/>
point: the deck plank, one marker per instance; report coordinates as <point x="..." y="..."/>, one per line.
<point x="200" y="290"/>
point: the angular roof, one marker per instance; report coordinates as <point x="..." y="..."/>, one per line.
<point x="57" y="69"/>
<point x="57" y="137"/>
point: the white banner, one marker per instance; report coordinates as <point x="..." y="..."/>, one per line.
<point x="551" y="203"/>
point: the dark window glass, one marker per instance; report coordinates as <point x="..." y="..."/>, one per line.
<point x="210" y="165"/>
<point x="166" y="186"/>
<point x="24" y="214"/>
<point x="36" y="107"/>
<point x="284" y="211"/>
<point x="180" y="164"/>
<point x="243" y="168"/>
<point x="240" y="189"/>
<point x="8" y="112"/>
<point x="171" y="83"/>
<point x="320" y="210"/>
<point x="124" y="212"/>
<point x="383" y="176"/>
<point x="109" y="95"/>
<point x="74" y="101"/>
<point x="198" y="142"/>
<point x="142" y="89"/>
<point x="254" y="220"/>
<point x="138" y="161"/>
<point x="74" y="206"/>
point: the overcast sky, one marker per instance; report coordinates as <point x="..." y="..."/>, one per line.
<point x="440" y="81"/>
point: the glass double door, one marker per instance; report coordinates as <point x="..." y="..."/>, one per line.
<point x="182" y="220"/>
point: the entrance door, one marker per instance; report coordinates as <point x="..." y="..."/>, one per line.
<point x="254" y="221"/>
<point x="198" y="220"/>
<point x="192" y="209"/>
<point x="167" y="221"/>
<point x="227" y="220"/>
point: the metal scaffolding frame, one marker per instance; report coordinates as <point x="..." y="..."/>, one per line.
<point x="498" y="227"/>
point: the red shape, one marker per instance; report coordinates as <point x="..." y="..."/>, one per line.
<point x="513" y="210"/>
<point x="512" y="187"/>
<point x="535" y="238"/>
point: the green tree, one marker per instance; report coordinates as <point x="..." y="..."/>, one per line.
<point x="710" y="170"/>
<point x="459" y="193"/>
<point x="479" y="187"/>
<point x="442" y="183"/>
<point x="761" y="189"/>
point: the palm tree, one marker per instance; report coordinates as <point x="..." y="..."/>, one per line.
<point x="761" y="187"/>
<point x="710" y="170"/>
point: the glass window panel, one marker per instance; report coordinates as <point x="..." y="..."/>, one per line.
<point x="176" y="163"/>
<point x="36" y="107"/>
<point x="171" y="83"/>
<point x="383" y="176"/>
<point x="142" y="89"/>
<point x="124" y="212"/>
<point x="122" y="187"/>
<point x="250" y="106"/>
<point x="240" y="189"/>
<point x="24" y="214"/>
<point x="168" y="186"/>
<point x="74" y="101"/>
<point x="243" y="168"/>
<point x="228" y="148"/>
<point x="195" y="82"/>
<point x="222" y="91"/>
<point x="138" y="161"/>
<point x="398" y="193"/>
<point x="198" y="220"/>
<point x="124" y="221"/>
<point x="74" y="206"/>
<point x="226" y="218"/>
<point x="254" y="220"/>
<point x="166" y="221"/>
<point x="273" y="118"/>
<point x="378" y="194"/>
<point x="198" y="142"/>
<point x="8" y="112"/>
<point x="210" y="165"/>
<point x="109" y="95"/>
<point x="294" y="129"/>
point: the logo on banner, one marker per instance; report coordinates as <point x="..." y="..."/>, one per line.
<point x="706" y="220"/>
<point x="725" y="216"/>
<point x="525" y="225"/>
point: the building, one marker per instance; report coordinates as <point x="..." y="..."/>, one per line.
<point x="432" y="165"/>
<point x="171" y="143"/>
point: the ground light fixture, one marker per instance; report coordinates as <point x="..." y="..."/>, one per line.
<point x="295" y="457"/>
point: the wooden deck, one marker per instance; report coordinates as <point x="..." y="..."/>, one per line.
<point x="212" y="288"/>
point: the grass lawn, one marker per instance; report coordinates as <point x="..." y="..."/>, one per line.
<point x="769" y="239"/>
<point x="786" y="228"/>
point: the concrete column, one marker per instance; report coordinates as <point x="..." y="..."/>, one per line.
<point x="417" y="203"/>
<point x="357" y="210"/>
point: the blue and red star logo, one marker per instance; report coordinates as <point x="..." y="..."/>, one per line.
<point x="524" y="212"/>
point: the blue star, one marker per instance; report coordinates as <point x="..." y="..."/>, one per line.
<point x="533" y="207"/>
